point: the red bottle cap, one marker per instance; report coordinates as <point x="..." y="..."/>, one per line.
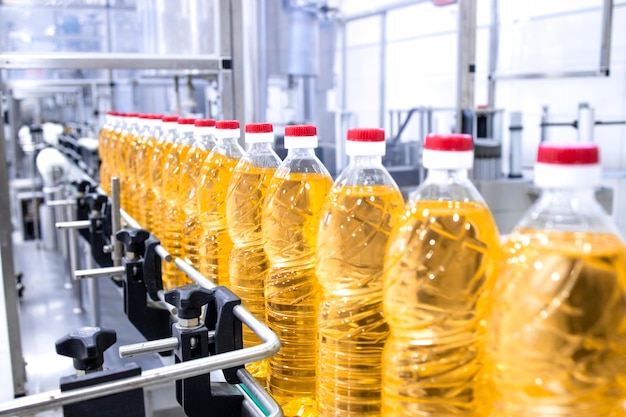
<point x="300" y="130"/>
<point x="205" y="122"/>
<point x="568" y="154"/>
<point x="169" y="119"/>
<point x="259" y="128"/>
<point x="186" y="121"/>
<point x="366" y="135"/>
<point x="227" y="124"/>
<point x="449" y="142"/>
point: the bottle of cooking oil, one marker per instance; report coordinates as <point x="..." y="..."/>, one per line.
<point x="113" y="143"/>
<point x="290" y="224"/>
<point x="174" y="215"/>
<point x="204" y="132"/>
<point x="132" y="183"/>
<point x="215" y="176"/>
<point x="127" y="135"/>
<point x="104" y="136"/>
<point x="361" y="210"/>
<point x="557" y="345"/>
<point x="249" y="265"/>
<point x="142" y="171"/>
<point x="439" y="269"/>
<point x="164" y="135"/>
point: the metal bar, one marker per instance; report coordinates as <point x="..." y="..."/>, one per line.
<point x="383" y="9"/>
<point x="8" y="292"/>
<point x="129" y="220"/>
<point x="77" y="288"/>
<point x="116" y="222"/>
<point x="77" y="224"/>
<point x="53" y="399"/>
<point x="160" y="250"/>
<point x="605" y="46"/>
<point x="99" y="272"/>
<point x="60" y="203"/>
<point x="194" y="274"/>
<point x="153" y="346"/>
<point x="163" y="253"/>
<point x="466" y="65"/>
<point x="383" y="70"/>
<point x="259" y="393"/>
<point x="494" y="49"/>
<point x="614" y="122"/>
<point x="550" y="74"/>
<point x="94" y="291"/>
<point x="69" y="60"/>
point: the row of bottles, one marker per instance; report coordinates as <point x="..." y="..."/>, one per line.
<point x="387" y="308"/>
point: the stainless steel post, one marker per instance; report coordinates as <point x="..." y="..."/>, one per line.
<point x="544" y="121"/>
<point x="77" y="287"/>
<point x="93" y="287"/>
<point x="467" y="59"/>
<point x="116" y="222"/>
<point x="515" y="148"/>
<point x="586" y="123"/>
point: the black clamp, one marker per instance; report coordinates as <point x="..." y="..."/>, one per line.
<point x="142" y="277"/>
<point x="100" y="228"/>
<point x="197" y="394"/>
<point x="86" y="346"/>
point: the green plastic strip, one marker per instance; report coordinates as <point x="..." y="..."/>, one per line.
<point x="253" y="398"/>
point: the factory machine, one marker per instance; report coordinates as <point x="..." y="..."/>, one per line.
<point x="49" y="172"/>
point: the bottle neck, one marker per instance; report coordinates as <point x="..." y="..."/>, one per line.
<point x="446" y="176"/>
<point x="368" y="161"/>
<point x="229" y="147"/>
<point x="259" y="147"/>
<point x="301" y="153"/>
<point x="206" y="142"/>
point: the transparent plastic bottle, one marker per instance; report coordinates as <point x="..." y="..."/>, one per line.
<point x="291" y="218"/>
<point x="174" y="215"/>
<point x="204" y="133"/>
<point x="215" y="177"/>
<point x="142" y="171"/>
<point x="134" y="145"/>
<point x="249" y="264"/>
<point x="127" y="136"/>
<point x="113" y="150"/>
<point x="164" y="136"/>
<point x="361" y="210"/>
<point x="440" y="266"/>
<point x="105" y="136"/>
<point x="558" y="330"/>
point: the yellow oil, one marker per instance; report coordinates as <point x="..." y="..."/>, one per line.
<point x="249" y="265"/>
<point x="174" y="215"/>
<point x="215" y="244"/>
<point x="104" y="138"/>
<point x="156" y="184"/>
<point x="290" y="225"/>
<point x="113" y="149"/>
<point x="135" y="142"/>
<point x="439" y="270"/>
<point x="121" y="158"/>
<point x="558" y="346"/>
<point x="192" y="232"/>
<point x="354" y="231"/>
<point x="145" y="192"/>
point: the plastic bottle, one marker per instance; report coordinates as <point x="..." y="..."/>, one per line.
<point x="127" y="135"/>
<point x="361" y="210"/>
<point x="135" y="142"/>
<point x="174" y="215"/>
<point x="105" y="136"/>
<point x="113" y="151"/>
<point x="142" y="171"/>
<point x="249" y="265"/>
<point x="558" y="330"/>
<point x="215" y="177"/>
<point x="440" y="266"/>
<point x="290" y="224"/>
<point x="204" y="133"/>
<point x="164" y="137"/>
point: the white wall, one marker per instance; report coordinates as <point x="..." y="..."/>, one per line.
<point x="535" y="35"/>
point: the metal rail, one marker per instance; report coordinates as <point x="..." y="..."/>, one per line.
<point x="264" y="405"/>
